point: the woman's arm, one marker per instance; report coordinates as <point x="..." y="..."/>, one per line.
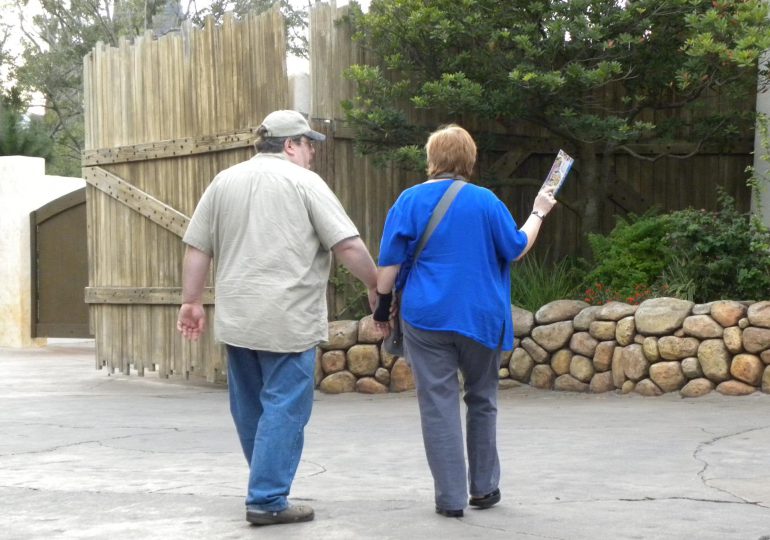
<point x="543" y="204"/>
<point x="386" y="280"/>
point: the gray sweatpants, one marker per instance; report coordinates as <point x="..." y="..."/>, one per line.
<point x="435" y="358"/>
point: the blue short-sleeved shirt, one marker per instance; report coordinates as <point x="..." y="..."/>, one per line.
<point x="461" y="281"/>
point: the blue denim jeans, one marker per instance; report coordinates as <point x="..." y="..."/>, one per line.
<point x="271" y="396"/>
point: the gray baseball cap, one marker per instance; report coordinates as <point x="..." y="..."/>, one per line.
<point x="289" y="124"/>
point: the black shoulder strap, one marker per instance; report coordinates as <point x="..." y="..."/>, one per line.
<point x="438" y="214"/>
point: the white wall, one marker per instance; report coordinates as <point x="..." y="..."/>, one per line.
<point x="24" y="187"/>
<point x="299" y="87"/>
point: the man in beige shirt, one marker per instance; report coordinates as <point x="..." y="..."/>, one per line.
<point x="270" y="224"/>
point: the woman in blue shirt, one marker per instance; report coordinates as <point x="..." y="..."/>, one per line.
<point x="456" y="313"/>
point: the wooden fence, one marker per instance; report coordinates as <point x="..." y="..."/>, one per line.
<point x="163" y="116"/>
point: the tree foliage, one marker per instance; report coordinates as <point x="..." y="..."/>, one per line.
<point x="58" y="38"/>
<point x="21" y="135"/>
<point x="548" y="62"/>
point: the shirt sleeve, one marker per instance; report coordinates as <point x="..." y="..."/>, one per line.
<point x="198" y="233"/>
<point x="395" y="237"/>
<point x="510" y="242"/>
<point x="331" y="222"/>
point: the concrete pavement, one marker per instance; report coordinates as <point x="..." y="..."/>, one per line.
<point x="87" y="455"/>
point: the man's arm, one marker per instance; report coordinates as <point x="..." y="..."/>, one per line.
<point x="191" y="321"/>
<point x="352" y="253"/>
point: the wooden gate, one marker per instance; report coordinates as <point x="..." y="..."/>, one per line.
<point x="162" y="118"/>
<point x="59" y="267"/>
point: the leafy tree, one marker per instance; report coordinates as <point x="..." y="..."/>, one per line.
<point x="549" y="62"/>
<point x="51" y="63"/>
<point x="20" y="135"/>
<point x="57" y="39"/>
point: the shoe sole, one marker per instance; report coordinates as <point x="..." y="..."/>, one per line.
<point x="278" y="520"/>
<point x="483" y="504"/>
<point x="449" y="513"/>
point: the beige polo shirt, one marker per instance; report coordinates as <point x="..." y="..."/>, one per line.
<point x="269" y="225"/>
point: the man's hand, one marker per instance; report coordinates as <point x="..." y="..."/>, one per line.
<point x="191" y="321"/>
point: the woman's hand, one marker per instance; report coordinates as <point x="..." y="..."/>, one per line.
<point x="544" y="201"/>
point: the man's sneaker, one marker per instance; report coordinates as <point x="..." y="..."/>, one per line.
<point x="292" y="514"/>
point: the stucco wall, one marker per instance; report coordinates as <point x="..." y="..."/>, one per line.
<point x="24" y="187"/>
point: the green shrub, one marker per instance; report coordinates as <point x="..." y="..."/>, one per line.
<point x="631" y="257"/>
<point x="349" y="296"/>
<point x="722" y="254"/>
<point x="534" y="282"/>
<point x="691" y="254"/>
<point x="676" y="280"/>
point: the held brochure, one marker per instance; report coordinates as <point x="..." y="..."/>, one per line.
<point x="558" y="173"/>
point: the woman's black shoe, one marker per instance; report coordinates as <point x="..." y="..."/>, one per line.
<point x="449" y="513"/>
<point x="487" y="501"/>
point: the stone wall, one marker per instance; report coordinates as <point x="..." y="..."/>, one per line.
<point x="662" y="345"/>
<point x="353" y="360"/>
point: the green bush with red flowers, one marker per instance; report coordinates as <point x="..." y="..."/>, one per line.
<point x="698" y="255"/>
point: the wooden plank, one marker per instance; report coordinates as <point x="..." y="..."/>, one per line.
<point x="141" y="295"/>
<point x="185" y="146"/>
<point x="159" y="353"/>
<point x="507" y="164"/>
<point x="136" y="199"/>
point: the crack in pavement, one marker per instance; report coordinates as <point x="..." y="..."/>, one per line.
<point x="221" y="485"/>
<point x="159" y="452"/>
<point x="693" y="499"/>
<point x="515" y="534"/>
<point x="646" y="499"/>
<point x="105" y="492"/>
<point x="702" y="472"/>
<point x="80" y="443"/>
<point x="72" y="426"/>
<point x="322" y="471"/>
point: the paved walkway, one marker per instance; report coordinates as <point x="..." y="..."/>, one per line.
<point x="87" y="455"/>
